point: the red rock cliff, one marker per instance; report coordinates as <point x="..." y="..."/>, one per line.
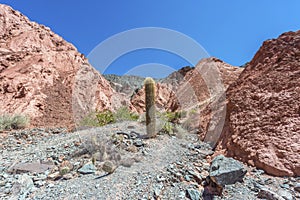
<point x="263" y="118"/>
<point x="43" y="76"/>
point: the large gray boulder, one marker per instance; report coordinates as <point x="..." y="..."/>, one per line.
<point x="225" y="171"/>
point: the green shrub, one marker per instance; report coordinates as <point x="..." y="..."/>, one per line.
<point x="124" y="114"/>
<point x="174" y="117"/>
<point x="105" y="117"/>
<point x="9" y="122"/>
<point x="89" y="120"/>
<point x="168" y="128"/>
<point x="170" y="121"/>
<point x="95" y="119"/>
<point x="193" y="111"/>
<point x="64" y="170"/>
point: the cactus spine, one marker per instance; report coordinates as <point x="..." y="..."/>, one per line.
<point x="150" y="106"/>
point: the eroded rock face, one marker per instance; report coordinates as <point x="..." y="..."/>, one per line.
<point x="176" y="78"/>
<point x="263" y="122"/>
<point x="203" y="86"/>
<point x="187" y="88"/>
<point x="38" y="70"/>
<point x="209" y="78"/>
<point x="127" y="85"/>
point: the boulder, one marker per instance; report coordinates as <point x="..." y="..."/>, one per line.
<point x="225" y="171"/>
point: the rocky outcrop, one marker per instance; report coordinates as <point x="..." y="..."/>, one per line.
<point x="187" y="88"/>
<point x="43" y="76"/>
<point x="130" y="87"/>
<point x="176" y="78"/>
<point x="127" y="85"/>
<point x="210" y="77"/>
<point x="263" y="114"/>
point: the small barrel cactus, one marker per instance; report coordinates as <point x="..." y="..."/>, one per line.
<point x="150" y="106"/>
<point x="109" y="167"/>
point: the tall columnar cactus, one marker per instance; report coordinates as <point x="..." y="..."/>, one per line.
<point x="150" y="106"/>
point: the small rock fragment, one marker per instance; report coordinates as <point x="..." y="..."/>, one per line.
<point x="268" y="194"/>
<point x="297" y="187"/>
<point x="39" y="183"/>
<point x="67" y="176"/>
<point x="138" y="143"/>
<point x="187" y="178"/>
<point x="157" y="192"/>
<point x="132" y="149"/>
<point x="54" y="176"/>
<point x="2" y="183"/>
<point x="88" y="168"/>
<point x="193" y="194"/>
<point x="285" y="194"/>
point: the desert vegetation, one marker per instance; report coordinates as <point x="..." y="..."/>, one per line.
<point x="10" y="122"/>
<point x="102" y="118"/>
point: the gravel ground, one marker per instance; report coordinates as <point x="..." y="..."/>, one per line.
<point x="167" y="167"/>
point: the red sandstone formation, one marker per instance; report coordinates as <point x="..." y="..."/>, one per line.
<point x="43" y="76"/>
<point x="186" y="88"/>
<point x="263" y="110"/>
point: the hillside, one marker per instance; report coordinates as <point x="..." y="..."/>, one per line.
<point x="45" y="77"/>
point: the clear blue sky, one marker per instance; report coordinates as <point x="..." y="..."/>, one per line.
<point x="230" y="30"/>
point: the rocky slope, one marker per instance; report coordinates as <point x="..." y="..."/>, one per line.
<point x="52" y="164"/>
<point x="131" y="84"/>
<point x="131" y="87"/>
<point x="210" y="77"/>
<point x="184" y="89"/>
<point x="43" y="76"/>
<point x="263" y="114"/>
<point x="175" y="78"/>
